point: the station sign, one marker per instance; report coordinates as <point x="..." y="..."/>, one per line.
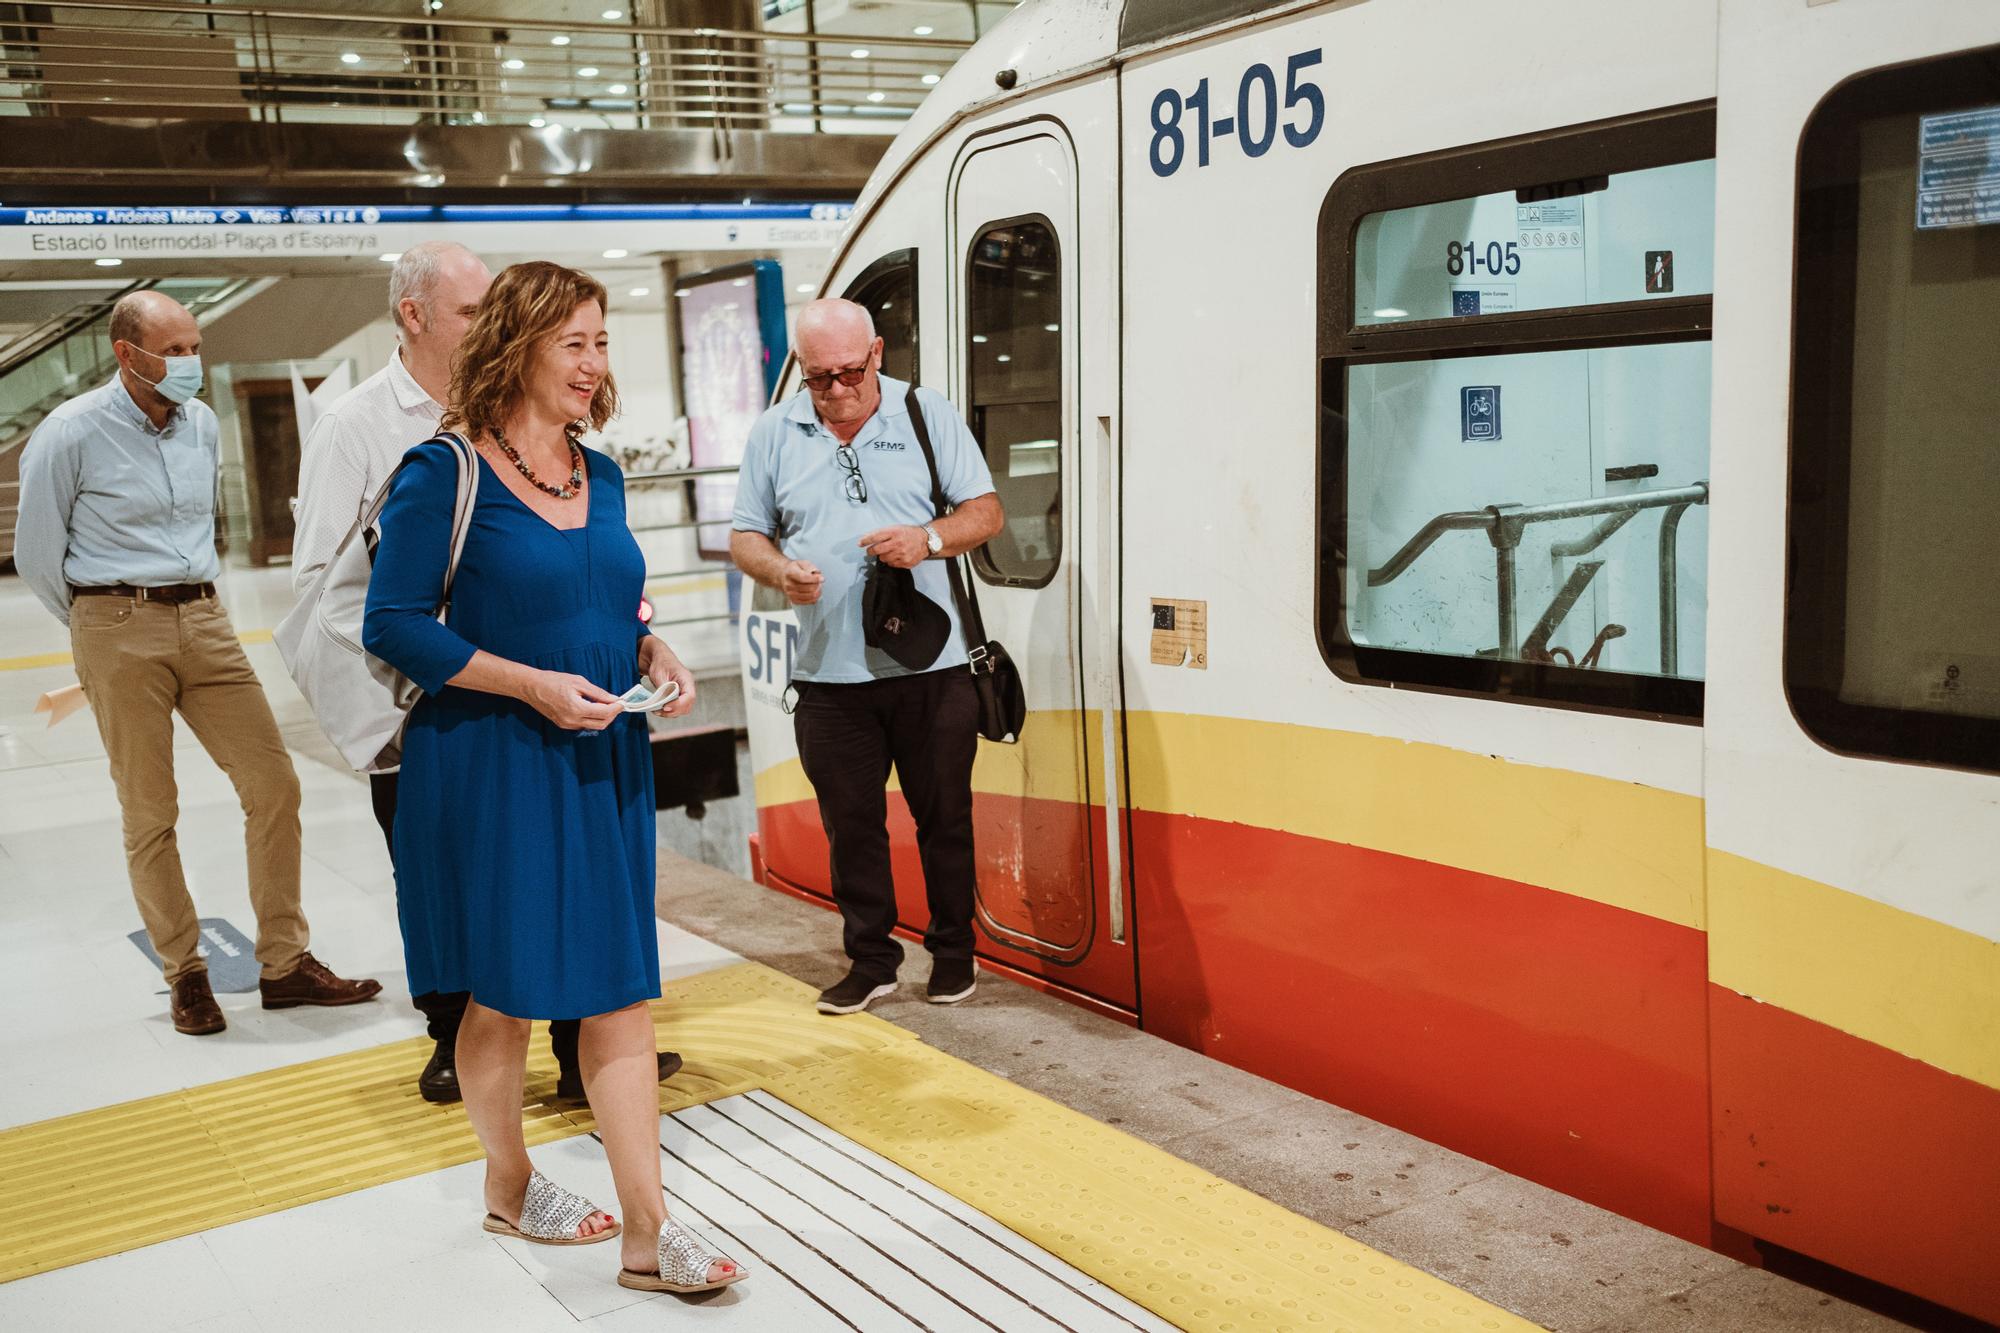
<point x="364" y="232"/>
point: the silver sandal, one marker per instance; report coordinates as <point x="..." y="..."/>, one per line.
<point x="550" y="1215"/>
<point x="684" y="1265"/>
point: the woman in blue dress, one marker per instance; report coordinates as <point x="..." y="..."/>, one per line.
<point x="524" y="824"/>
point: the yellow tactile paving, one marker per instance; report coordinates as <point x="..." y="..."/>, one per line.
<point x="110" y="1180"/>
<point x="1194" y="1249"/>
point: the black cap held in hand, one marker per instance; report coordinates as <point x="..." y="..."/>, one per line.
<point x="901" y="621"/>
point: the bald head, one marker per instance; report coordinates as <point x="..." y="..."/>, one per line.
<point x="835" y="335"/>
<point x="834" y="326"/>
<point x="140" y="318"/>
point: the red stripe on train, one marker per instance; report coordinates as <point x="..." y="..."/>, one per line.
<point x="1854" y="1154"/>
<point x="1558" y="1038"/>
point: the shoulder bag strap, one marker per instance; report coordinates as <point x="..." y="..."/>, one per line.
<point x="968" y="601"/>
<point x="461" y="517"/>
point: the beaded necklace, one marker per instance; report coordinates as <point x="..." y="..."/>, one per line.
<point x="568" y="492"/>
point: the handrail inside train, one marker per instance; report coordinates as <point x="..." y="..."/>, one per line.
<point x="1504" y="525"/>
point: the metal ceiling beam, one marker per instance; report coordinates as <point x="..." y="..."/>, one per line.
<point x="190" y="160"/>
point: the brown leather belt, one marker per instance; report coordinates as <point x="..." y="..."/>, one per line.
<point x="171" y="593"/>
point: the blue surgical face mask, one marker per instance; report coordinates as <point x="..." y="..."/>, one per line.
<point x="182" y="380"/>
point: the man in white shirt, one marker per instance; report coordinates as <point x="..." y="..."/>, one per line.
<point x="434" y="292"/>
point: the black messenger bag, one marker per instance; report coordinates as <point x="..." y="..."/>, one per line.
<point x="1003" y="708"/>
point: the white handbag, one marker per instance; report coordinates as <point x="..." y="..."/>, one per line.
<point x="361" y="701"/>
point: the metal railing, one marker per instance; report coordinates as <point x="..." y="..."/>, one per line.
<point x="674" y="477"/>
<point x="1504" y="526"/>
<point x="107" y="57"/>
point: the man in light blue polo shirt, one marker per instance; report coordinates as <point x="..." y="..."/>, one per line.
<point x="833" y="478"/>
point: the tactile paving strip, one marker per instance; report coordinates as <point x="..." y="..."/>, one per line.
<point x="1192" y="1248"/>
<point x="111" y="1180"/>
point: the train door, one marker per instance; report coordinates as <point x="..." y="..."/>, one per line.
<point x="1853" y="729"/>
<point x="1026" y="289"/>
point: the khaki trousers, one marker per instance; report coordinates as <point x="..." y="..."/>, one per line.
<point x="139" y="662"/>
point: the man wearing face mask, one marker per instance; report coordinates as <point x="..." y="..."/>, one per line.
<point x="116" y="536"/>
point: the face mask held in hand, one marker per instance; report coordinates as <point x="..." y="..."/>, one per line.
<point x="182" y="380"/>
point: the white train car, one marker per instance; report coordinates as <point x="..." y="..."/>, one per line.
<point x="1501" y="536"/>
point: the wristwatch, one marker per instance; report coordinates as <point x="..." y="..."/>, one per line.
<point x="932" y="540"/>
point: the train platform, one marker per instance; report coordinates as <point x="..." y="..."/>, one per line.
<point x="1013" y="1162"/>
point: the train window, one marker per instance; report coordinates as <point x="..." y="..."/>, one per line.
<point x="888" y="288"/>
<point x="1514" y="417"/>
<point x="1892" y="612"/>
<point x="1632" y="236"/>
<point x="1014" y="378"/>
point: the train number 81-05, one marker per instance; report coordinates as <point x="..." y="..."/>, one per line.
<point x="1255" y="122"/>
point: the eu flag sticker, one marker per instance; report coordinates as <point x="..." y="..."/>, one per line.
<point x="1479" y="411"/>
<point x="1464" y="302"/>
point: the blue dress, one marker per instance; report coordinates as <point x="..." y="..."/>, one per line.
<point x="524" y="851"/>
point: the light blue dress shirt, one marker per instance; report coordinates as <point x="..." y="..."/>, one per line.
<point x="793" y="490"/>
<point x="108" y="498"/>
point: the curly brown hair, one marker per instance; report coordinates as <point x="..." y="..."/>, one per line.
<point x="526" y="305"/>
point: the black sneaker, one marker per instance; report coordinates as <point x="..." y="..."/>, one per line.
<point x="439" y="1081"/>
<point x="569" y="1082"/>
<point x="952" y="980"/>
<point x="854" y="993"/>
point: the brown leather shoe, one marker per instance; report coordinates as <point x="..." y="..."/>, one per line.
<point x="193" y="1007"/>
<point x="311" y="982"/>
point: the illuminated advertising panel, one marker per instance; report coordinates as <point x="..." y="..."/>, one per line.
<point x="732" y="327"/>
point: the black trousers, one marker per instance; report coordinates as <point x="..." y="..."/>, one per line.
<point x="927" y="727"/>
<point x="442" y="1010"/>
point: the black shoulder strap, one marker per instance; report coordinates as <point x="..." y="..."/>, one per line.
<point x="968" y="601"/>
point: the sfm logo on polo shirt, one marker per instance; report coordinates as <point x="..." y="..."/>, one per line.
<point x="896" y="445"/>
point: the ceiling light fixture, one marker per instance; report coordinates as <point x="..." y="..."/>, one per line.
<point x="109" y="263"/>
<point x="640" y="291"/>
<point x="859" y="53"/>
<point x="587" y="72"/>
<point x="614" y="14"/>
<point x="876" y="97"/>
<point x="389" y="258"/>
<point x="537" y="123"/>
<point x="513" y="64"/>
<point x="930" y="78"/>
<point x="618" y="88"/>
<point x="616" y="254"/>
<point x="923" y="30"/>
<point x="559" y="39"/>
<point x="804" y="287"/>
<point x="349" y="58"/>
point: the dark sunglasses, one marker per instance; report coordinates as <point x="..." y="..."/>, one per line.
<point x="857" y="489"/>
<point x="822" y="382"/>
